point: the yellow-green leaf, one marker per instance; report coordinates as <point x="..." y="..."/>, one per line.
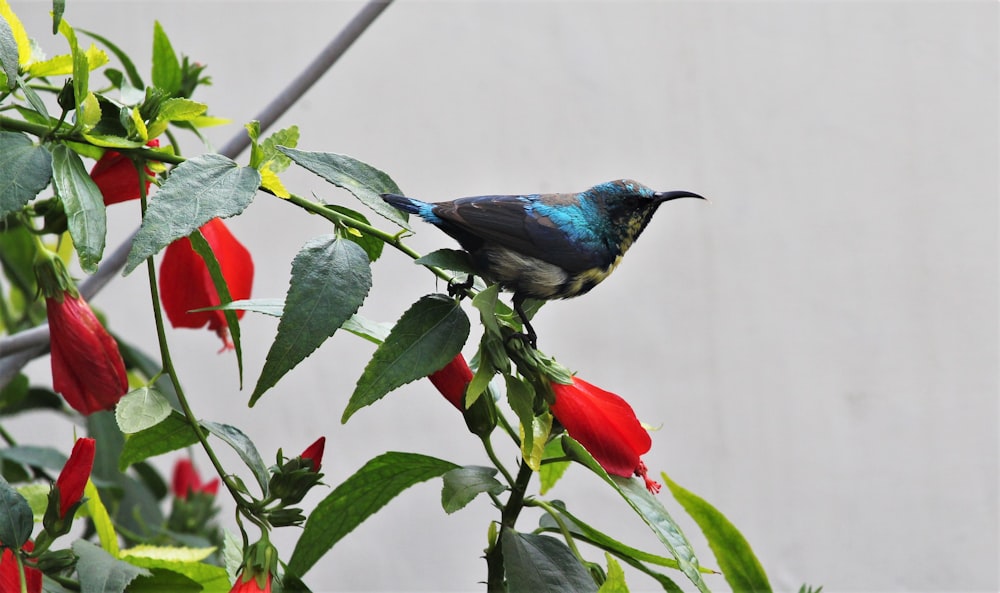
<point x="102" y="521"/>
<point x="269" y="180"/>
<point x="63" y="64"/>
<point x="167" y="553"/>
<point x="20" y="35"/>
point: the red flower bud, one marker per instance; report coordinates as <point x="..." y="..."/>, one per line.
<point x="314" y="453"/>
<point x="250" y="583"/>
<point x="606" y="426"/>
<point x="87" y="368"/>
<point x="74" y="475"/>
<point x="187" y="480"/>
<point x="10" y="578"/>
<point x="117" y="177"/>
<point x="185" y="283"/>
<point x="453" y="380"/>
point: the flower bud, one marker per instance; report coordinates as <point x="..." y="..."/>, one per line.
<point x="67" y="493"/>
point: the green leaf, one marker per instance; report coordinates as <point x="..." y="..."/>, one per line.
<point x="361" y="326"/>
<point x="455" y="260"/>
<point x="25" y="170"/>
<point x="161" y="580"/>
<point x="648" y="508"/>
<point x="171" y="434"/>
<point x="42" y="457"/>
<point x="521" y="397"/>
<point x="736" y="559"/>
<point x="584" y="532"/>
<point x="140" y="409"/>
<point x="84" y="206"/>
<point x="552" y="471"/>
<point x="288" y="137"/>
<point x="130" y="69"/>
<point x="183" y="561"/>
<point x="100" y="572"/>
<point x="16" y="519"/>
<point x="330" y="279"/>
<point x="203" y="249"/>
<point x="200" y="189"/>
<point x="9" y="56"/>
<point x="58" y="8"/>
<point x="426" y="337"/>
<point x="179" y="109"/>
<point x="615" y="583"/>
<point x="357" y="498"/>
<point x="361" y="179"/>
<point x="34" y="100"/>
<point x="267" y="306"/>
<point x="247" y="451"/>
<point x="166" y="67"/>
<point x="535" y="563"/>
<point x="372" y="245"/>
<point x="463" y="484"/>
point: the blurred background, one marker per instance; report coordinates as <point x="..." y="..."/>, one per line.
<point x="818" y="344"/>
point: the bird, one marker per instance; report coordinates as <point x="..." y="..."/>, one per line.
<point x="545" y="246"/>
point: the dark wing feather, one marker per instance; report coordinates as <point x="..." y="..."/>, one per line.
<point x="508" y="222"/>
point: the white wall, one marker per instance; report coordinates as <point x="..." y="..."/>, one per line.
<point x="819" y="343"/>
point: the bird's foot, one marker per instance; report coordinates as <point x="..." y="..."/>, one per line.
<point x="460" y="289"/>
<point x="529" y="338"/>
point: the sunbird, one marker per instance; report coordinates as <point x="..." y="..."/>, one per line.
<point x="545" y="246"/>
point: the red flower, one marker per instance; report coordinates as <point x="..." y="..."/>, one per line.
<point x="314" y="453"/>
<point x="87" y="368"/>
<point x="185" y="283"/>
<point x="249" y="583"/>
<point x="187" y="480"/>
<point x="606" y="426"/>
<point x="453" y="380"/>
<point x="74" y="475"/>
<point x="10" y="578"/>
<point x="117" y="178"/>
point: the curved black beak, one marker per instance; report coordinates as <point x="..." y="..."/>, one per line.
<point x="666" y="196"/>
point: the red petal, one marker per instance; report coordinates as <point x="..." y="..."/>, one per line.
<point x="10" y="579"/>
<point x="186" y="479"/>
<point x="116" y="176"/>
<point x="87" y="368"/>
<point x="453" y="380"/>
<point x="185" y="283"/>
<point x="74" y="475"/>
<point x="314" y="453"/>
<point x="603" y="423"/>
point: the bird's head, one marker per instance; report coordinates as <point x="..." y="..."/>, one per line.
<point x="630" y="205"/>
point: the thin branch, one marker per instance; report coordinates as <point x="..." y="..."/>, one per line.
<point x="18" y="350"/>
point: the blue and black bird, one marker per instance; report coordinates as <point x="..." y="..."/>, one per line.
<point x="545" y="246"/>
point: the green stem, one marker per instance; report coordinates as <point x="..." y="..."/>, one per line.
<point x="570" y="541"/>
<point x="20" y="572"/>
<point x="488" y="445"/>
<point x="508" y="518"/>
<point x="168" y="368"/>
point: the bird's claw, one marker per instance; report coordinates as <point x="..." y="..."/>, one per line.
<point x="460" y="289"/>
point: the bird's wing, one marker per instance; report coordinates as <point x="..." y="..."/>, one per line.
<point x="510" y="221"/>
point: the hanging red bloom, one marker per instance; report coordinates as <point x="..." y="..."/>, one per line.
<point x="453" y="380"/>
<point x="10" y="578"/>
<point x="314" y="453"/>
<point x="185" y="283"/>
<point x="606" y="426"/>
<point x="117" y="177"/>
<point x="87" y="368"/>
<point x="74" y="475"/>
<point x="186" y="480"/>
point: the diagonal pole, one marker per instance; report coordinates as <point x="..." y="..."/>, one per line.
<point x="23" y="347"/>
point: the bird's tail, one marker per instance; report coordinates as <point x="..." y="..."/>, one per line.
<point x="404" y="203"/>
